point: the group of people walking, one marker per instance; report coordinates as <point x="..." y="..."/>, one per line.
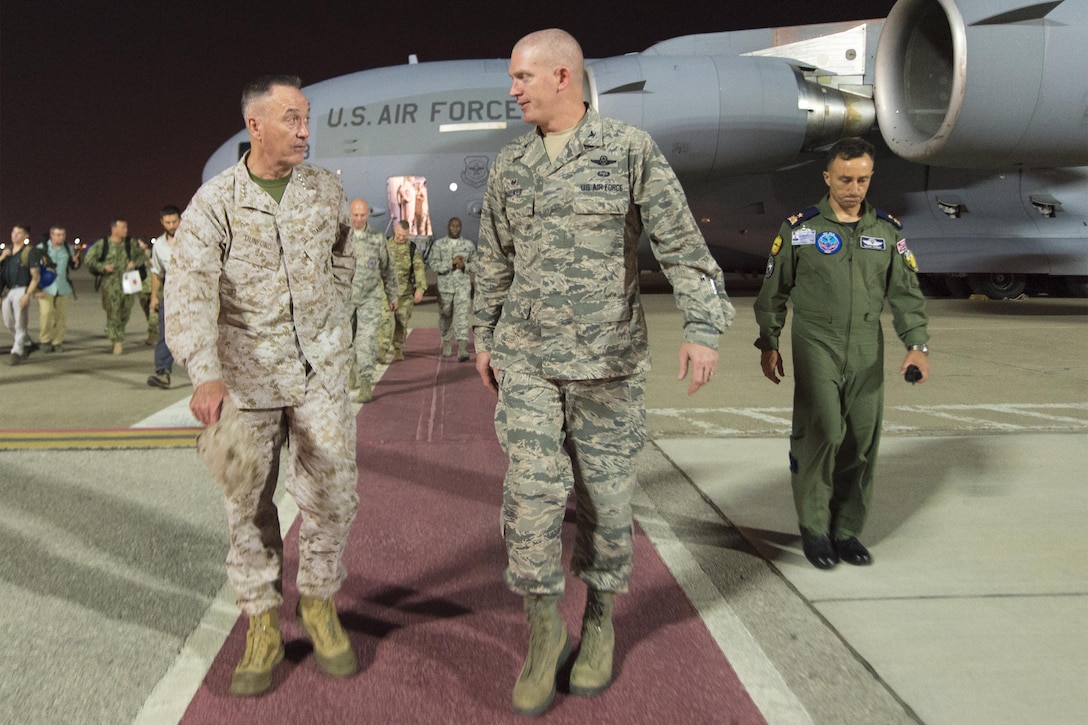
<point x="276" y="293"/>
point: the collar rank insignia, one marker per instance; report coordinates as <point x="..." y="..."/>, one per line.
<point x="603" y="161"/>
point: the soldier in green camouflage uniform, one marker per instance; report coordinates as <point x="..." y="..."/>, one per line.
<point x="837" y="261"/>
<point x="375" y="282"/>
<point x="453" y="259"/>
<point x="412" y="283"/>
<point x="122" y="255"/>
<point x="561" y="336"/>
<point x="260" y="314"/>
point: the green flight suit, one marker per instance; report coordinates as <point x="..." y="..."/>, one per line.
<point x="837" y="275"/>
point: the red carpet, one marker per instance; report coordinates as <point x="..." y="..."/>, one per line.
<point x="439" y="637"/>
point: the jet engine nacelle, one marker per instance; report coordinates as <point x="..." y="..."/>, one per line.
<point x="725" y="115"/>
<point x="984" y="83"/>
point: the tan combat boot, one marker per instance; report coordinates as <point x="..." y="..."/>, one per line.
<point x="264" y="650"/>
<point x="447" y="347"/>
<point x="332" y="648"/>
<point x="363" y="393"/>
<point x="398" y="354"/>
<point x="118" y="348"/>
<point x="592" y="671"/>
<point x="462" y="351"/>
<point x="549" y="648"/>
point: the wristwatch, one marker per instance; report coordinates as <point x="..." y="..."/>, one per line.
<point x="924" y="349"/>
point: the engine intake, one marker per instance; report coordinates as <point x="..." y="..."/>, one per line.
<point x="984" y="83"/>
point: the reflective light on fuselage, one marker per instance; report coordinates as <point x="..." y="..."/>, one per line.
<point x="453" y="186"/>
<point x="485" y="126"/>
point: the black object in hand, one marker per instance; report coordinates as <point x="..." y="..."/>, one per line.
<point x="913" y="374"/>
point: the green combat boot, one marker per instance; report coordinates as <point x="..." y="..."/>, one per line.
<point x="264" y="650"/>
<point x="592" y="671"/>
<point x="332" y="648"/>
<point x="447" y="347"/>
<point x="462" y="351"/>
<point x="549" y="648"/>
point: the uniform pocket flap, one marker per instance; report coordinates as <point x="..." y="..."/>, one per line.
<point x="602" y="311"/>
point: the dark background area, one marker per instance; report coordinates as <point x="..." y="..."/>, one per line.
<point x="111" y="109"/>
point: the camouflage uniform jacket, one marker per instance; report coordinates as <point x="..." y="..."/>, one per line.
<point x="118" y="256"/>
<point x="260" y="291"/>
<point x="407" y="258"/>
<point x="557" y="268"/>
<point x="837" y="276"/>
<point x="373" y="267"/>
<point x="441" y="260"/>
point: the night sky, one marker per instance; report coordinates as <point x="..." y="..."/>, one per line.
<point x="110" y="109"/>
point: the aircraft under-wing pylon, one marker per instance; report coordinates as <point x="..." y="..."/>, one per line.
<point x="978" y="108"/>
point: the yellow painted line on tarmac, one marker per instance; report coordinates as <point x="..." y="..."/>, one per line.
<point x="98" y="438"/>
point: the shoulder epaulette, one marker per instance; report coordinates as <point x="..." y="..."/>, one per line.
<point x="881" y="214"/>
<point x="802" y="216"/>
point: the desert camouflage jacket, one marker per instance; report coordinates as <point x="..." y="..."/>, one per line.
<point x="259" y="291"/>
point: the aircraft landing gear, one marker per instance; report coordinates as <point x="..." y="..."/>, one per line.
<point x="998" y="286"/>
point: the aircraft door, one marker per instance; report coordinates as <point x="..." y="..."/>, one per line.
<point x="409" y="200"/>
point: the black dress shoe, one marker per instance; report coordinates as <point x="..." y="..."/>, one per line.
<point x="819" y="551"/>
<point x="852" y="552"/>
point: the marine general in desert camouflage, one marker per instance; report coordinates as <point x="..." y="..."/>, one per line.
<point x="259" y="313"/>
<point x="561" y="336"/>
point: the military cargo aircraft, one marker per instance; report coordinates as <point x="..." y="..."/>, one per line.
<point x="978" y="108"/>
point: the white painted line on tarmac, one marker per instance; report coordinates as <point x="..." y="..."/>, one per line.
<point x="170" y="699"/>
<point x="760" y="678"/>
<point x="172" y="695"/>
<point x="177" y="415"/>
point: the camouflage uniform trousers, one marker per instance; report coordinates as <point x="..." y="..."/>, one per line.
<point x="118" y="307"/>
<point x="368" y="318"/>
<point x="242" y="451"/>
<point x="385" y="329"/>
<point x="558" y="434"/>
<point x="394" y="325"/>
<point x="152" y="318"/>
<point x="454" y="305"/>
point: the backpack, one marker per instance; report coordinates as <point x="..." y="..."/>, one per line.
<point x="47" y="269"/>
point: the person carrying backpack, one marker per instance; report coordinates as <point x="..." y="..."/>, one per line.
<point x="19" y="273"/>
<point x="53" y="297"/>
<point x="109" y="258"/>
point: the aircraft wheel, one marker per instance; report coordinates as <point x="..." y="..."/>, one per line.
<point x="957" y="287"/>
<point x="1077" y="285"/>
<point x="998" y="286"/>
<point x="932" y="285"/>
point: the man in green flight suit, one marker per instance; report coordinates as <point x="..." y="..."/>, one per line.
<point x="837" y="261"/>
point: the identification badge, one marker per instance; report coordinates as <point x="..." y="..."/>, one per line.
<point x="803" y="236"/>
<point x="828" y="242"/>
<point x="873" y="243"/>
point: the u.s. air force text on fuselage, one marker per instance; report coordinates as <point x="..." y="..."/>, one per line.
<point x="442" y="122"/>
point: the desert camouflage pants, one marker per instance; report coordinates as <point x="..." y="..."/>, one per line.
<point x="560" y="435"/>
<point x="243" y="453"/>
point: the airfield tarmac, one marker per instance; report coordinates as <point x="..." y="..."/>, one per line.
<point x="975" y="610"/>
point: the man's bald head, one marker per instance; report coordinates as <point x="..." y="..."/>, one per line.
<point x="555" y="48"/>
<point x="546" y="69"/>
<point x="360" y="212"/>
